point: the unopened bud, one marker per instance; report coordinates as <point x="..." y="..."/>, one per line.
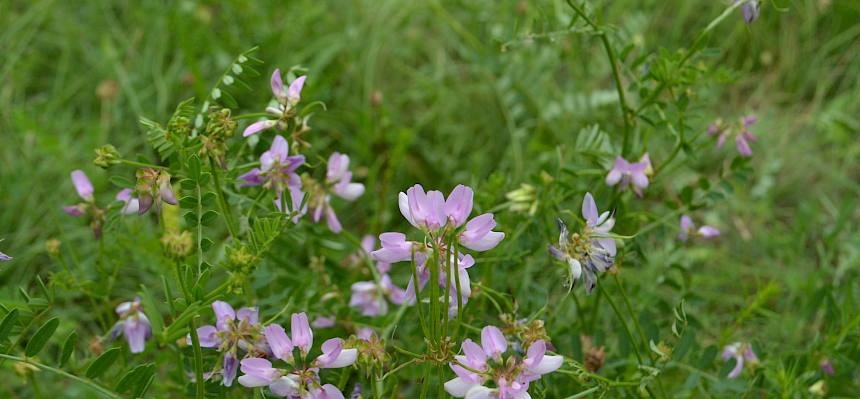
<point x="107" y="156"/>
<point x="177" y="245"/>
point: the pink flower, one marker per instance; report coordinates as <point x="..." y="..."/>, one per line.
<point x="95" y="215"/>
<point x="741" y="352"/>
<point x="134" y="325"/>
<point x="688" y="228"/>
<point x="287" y="100"/>
<point x="233" y="331"/>
<point x="338" y="182"/>
<point x="626" y="172"/>
<point x="511" y="376"/>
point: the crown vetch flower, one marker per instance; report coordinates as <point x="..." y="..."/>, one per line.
<point x="370" y="296"/>
<point x="152" y="188"/>
<point x="592" y="250"/>
<point x="750" y="10"/>
<point x="338" y="182"/>
<point x="689" y="228"/>
<point x="88" y="208"/>
<point x="508" y="376"/>
<point x="302" y="378"/>
<point x="741" y="352"/>
<point x="287" y="99"/>
<point x="626" y="172"/>
<point x="4" y="257"/>
<point x="233" y="331"/>
<point x="133" y="325"/>
<point x="741" y="131"/>
<point x="277" y="169"/>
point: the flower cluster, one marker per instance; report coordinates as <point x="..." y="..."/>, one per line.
<point x="233" y="332"/>
<point x="592" y="250"/>
<point x="688" y="228"/>
<point x="284" y="109"/>
<point x="508" y="376"/>
<point x="339" y="182"/>
<point x="301" y="378"/>
<point x="369" y="296"/>
<point x="741" y="131"/>
<point x="627" y="172"/>
<point x="445" y="226"/>
<point x="133" y="324"/>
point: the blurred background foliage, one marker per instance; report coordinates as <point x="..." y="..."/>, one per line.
<point x="492" y="94"/>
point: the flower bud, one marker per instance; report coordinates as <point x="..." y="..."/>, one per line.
<point x="177" y="245"/>
<point x="107" y="156"/>
<point x="52" y="246"/>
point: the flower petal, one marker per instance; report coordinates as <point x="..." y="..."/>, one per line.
<point x="82" y="185"/>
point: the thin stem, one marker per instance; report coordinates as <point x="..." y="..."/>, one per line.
<point x="141" y="164"/>
<point x="623" y="323"/>
<point x="398" y="368"/>
<point x="616" y="75"/>
<point x="198" y="358"/>
<point x="90" y="383"/>
<point x="630" y="310"/>
<point x="417" y="290"/>
<point x="222" y="202"/>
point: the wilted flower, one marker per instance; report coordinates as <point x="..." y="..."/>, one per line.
<point x="286" y="104"/>
<point x="510" y="375"/>
<point x="301" y="379"/>
<point x="742" y="134"/>
<point x="338" y="182"/>
<point x="626" y="173"/>
<point x="233" y="331"/>
<point x="133" y="325"/>
<point x="595" y="356"/>
<point x="741" y="352"/>
<point x="688" y="228"/>
<point x="592" y="250"/>
<point x="87" y="208"/>
<point x="152" y="188"/>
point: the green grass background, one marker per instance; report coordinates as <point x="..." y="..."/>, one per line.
<point x="446" y="92"/>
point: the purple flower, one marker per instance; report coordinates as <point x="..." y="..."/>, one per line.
<point x="4" y="257"/>
<point x="743" y="136"/>
<point x="625" y="173"/>
<point x="134" y="325"/>
<point x="338" y="182"/>
<point x="740" y="352"/>
<point x="592" y="250"/>
<point x="750" y="9"/>
<point x="277" y="169"/>
<point x="153" y="188"/>
<point x="233" y="332"/>
<point x="511" y="376"/>
<point x="287" y="99"/>
<point x="300" y="380"/>
<point x="324" y="322"/>
<point x="88" y="208"/>
<point x="827" y="367"/>
<point x="689" y="228"/>
<point x="132" y="205"/>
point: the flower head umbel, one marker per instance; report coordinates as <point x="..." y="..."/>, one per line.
<point x="233" y="332"/>
<point x="626" y="172"/>
<point x="88" y="208"/>
<point x="443" y="222"/>
<point x="286" y="101"/>
<point x="592" y="250"/>
<point x="133" y="325"/>
<point x="485" y="371"/>
<point x="741" y="352"/>
<point x="741" y="131"/>
<point x="338" y="182"/>
<point x="688" y="228"/>
<point x="300" y="378"/>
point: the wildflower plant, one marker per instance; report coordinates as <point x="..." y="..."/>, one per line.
<point x="244" y="205"/>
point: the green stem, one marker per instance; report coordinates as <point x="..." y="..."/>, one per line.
<point x="198" y="358"/>
<point x="616" y="75"/>
<point x="623" y="323"/>
<point x="141" y="164"/>
<point x="226" y="211"/>
<point x="630" y="310"/>
<point x="90" y="383"/>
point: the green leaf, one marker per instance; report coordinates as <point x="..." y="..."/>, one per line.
<point x="189" y="202"/>
<point x="193" y="166"/>
<point x="190" y="219"/>
<point x="206" y="243"/>
<point x="209" y="198"/>
<point x="208" y="217"/>
<point x="150" y="308"/>
<point x="7" y="324"/>
<point x="68" y="347"/>
<point x="103" y="363"/>
<point x="41" y="337"/>
<point x="135" y="377"/>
